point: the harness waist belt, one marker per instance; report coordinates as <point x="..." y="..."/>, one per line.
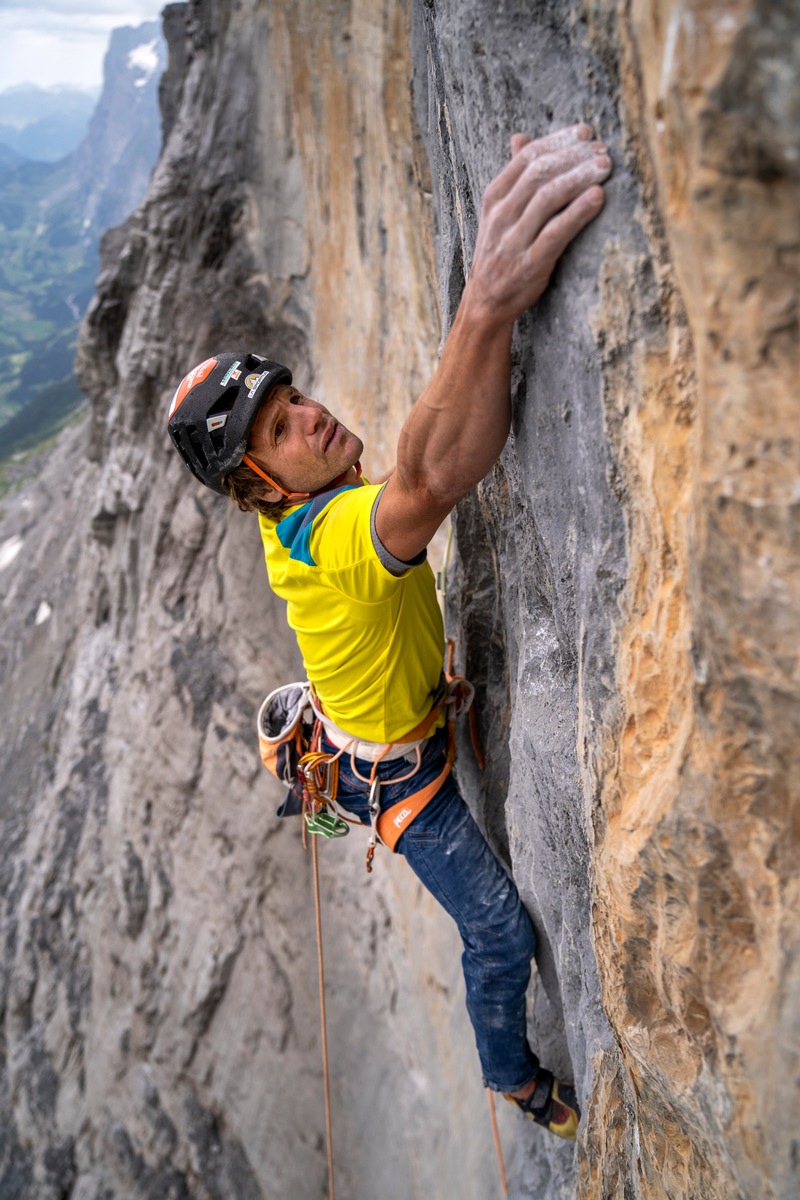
<point x="369" y="751"/>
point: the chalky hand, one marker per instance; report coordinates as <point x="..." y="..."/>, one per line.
<point x="549" y="191"/>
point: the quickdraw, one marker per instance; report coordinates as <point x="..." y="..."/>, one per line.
<point x="318" y="778"/>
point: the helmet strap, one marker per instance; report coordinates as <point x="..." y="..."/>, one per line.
<point x="273" y="483"/>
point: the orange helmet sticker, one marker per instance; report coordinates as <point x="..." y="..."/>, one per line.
<point x="199" y="373"/>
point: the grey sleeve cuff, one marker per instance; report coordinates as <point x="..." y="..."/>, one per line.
<point x="394" y="566"/>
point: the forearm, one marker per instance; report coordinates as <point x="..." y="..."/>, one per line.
<point x="531" y="212"/>
<point x="459" y="425"/>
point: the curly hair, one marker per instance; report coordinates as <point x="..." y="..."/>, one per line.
<point x="244" y="487"/>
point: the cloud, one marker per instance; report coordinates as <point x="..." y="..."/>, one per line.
<point x="64" y="41"/>
<point x="113" y="10"/>
<point x="50" y="15"/>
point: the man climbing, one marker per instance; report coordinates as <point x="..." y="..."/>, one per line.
<point x="349" y="559"/>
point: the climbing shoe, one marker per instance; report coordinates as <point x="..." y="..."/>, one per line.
<point x="553" y="1104"/>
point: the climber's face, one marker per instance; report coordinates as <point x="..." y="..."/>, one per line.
<point x="299" y="443"/>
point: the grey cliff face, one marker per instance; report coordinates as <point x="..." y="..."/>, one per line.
<point x="126" y="114"/>
<point x="541" y="541"/>
<point x="110" y="169"/>
<point x="623" y="593"/>
<point x="604" y="591"/>
<point x="53" y="216"/>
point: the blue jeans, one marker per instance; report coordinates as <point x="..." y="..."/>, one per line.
<point x="449" y="855"/>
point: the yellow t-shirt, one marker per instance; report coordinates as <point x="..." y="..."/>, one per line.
<point x="369" y="626"/>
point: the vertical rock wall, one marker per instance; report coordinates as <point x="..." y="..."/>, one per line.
<point x="626" y="584"/>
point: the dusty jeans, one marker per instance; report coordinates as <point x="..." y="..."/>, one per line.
<point x="448" y="853"/>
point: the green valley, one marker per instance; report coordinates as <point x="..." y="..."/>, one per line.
<point x="52" y="216"/>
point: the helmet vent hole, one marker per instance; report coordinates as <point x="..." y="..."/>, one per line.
<point x="225" y="401"/>
<point x="197" y="445"/>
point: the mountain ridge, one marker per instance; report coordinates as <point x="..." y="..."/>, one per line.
<point x="45" y="124"/>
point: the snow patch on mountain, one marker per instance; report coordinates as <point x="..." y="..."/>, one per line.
<point x="144" y="58"/>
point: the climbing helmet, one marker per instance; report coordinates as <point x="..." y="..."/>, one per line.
<point x="213" y="410"/>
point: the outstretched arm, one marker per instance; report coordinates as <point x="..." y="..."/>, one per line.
<point x="457" y="428"/>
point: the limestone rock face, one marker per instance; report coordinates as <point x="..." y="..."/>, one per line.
<point x="626" y="588"/>
<point x="623" y="590"/>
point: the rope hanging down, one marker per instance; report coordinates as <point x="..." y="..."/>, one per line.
<point x="323" y="1020"/>
<point x="324" y="1032"/>
<point x="498" y="1149"/>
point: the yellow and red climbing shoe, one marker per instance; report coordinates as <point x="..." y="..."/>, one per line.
<point x="553" y="1104"/>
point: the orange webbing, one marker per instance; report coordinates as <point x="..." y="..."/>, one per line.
<point x="421" y="730"/>
<point x="273" y="483"/>
<point x="451" y="651"/>
<point x="471" y="715"/>
<point x="392" y="823"/>
<point x="395" y="821"/>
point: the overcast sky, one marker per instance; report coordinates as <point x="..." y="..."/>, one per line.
<point x="63" y="41"/>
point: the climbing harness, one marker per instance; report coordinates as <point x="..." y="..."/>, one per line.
<point x="291" y="722"/>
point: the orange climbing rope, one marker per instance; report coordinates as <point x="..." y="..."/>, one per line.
<point x="498" y="1149"/>
<point x="323" y="1021"/>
